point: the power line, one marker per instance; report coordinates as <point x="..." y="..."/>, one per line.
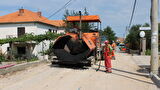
<point x="158" y="9"/>
<point x="63" y="7"/>
<point x="133" y="11"/>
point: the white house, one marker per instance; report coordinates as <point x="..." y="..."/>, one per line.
<point x="60" y="26"/>
<point x="21" y="22"/>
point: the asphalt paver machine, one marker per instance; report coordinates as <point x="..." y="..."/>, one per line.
<point x="77" y="47"/>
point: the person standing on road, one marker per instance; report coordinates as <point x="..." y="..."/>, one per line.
<point x="107" y="56"/>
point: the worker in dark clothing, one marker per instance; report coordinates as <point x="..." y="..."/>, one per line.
<point x="107" y="56"/>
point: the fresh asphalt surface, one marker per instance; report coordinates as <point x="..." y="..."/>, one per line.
<point x="55" y="77"/>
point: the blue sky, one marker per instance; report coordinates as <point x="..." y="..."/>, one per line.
<point x="114" y="13"/>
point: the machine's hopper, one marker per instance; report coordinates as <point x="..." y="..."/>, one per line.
<point x="68" y="49"/>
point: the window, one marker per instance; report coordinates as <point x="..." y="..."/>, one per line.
<point x="21" y="50"/>
<point x="20" y="31"/>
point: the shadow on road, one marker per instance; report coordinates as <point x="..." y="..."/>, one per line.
<point x="128" y="72"/>
<point x="133" y="78"/>
<point x="70" y="66"/>
<point x="144" y="69"/>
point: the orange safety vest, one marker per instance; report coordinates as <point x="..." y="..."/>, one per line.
<point x="108" y="51"/>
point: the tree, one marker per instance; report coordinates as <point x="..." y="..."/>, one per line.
<point x="86" y="12"/>
<point x="133" y="38"/>
<point x="109" y="34"/>
<point x="85" y="25"/>
<point x="66" y="14"/>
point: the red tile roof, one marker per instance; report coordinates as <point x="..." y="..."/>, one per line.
<point x="27" y="16"/>
<point x="120" y="39"/>
<point x="58" y="23"/>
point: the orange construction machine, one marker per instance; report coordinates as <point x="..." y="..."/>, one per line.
<point x="77" y="47"/>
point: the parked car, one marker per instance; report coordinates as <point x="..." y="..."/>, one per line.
<point x="122" y="47"/>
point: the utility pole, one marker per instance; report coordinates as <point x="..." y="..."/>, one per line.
<point x="154" y="37"/>
<point x="80" y="25"/>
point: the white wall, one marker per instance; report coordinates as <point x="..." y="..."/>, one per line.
<point x="36" y="28"/>
<point x="60" y="31"/>
<point x="41" y="29"/>
<point x="11" y="29"/>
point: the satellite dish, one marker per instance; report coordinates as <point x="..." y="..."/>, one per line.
<point x="142" y="34"/>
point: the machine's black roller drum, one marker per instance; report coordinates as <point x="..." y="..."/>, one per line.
<point x="76" y="46"/>
<point x="69" y="50"/>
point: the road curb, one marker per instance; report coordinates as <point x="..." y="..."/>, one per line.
<point x="20" y="67"/>
<point x="156" y="79"/>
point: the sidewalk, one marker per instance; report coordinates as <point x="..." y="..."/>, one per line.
<point x="125" y="74"/>
<point x="143" y="62"/>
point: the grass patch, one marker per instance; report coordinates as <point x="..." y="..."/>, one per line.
<point x="148" y="52"/>
<point x="2" y="58"/>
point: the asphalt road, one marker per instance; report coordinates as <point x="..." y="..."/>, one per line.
<point x="53" y="77"/>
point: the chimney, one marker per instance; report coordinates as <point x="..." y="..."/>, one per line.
<point x="21" y="12"/>
<point x="39" y="13"/>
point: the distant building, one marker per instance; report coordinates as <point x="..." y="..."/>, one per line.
<point x="120" y="39"/>
<point x="25" y="21"/>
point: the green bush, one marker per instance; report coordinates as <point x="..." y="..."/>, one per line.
<point x="2" y="58"/>
<point x="31" y="37"/>
<point x="32" y="59"/>
<point x="148" y="52"/>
